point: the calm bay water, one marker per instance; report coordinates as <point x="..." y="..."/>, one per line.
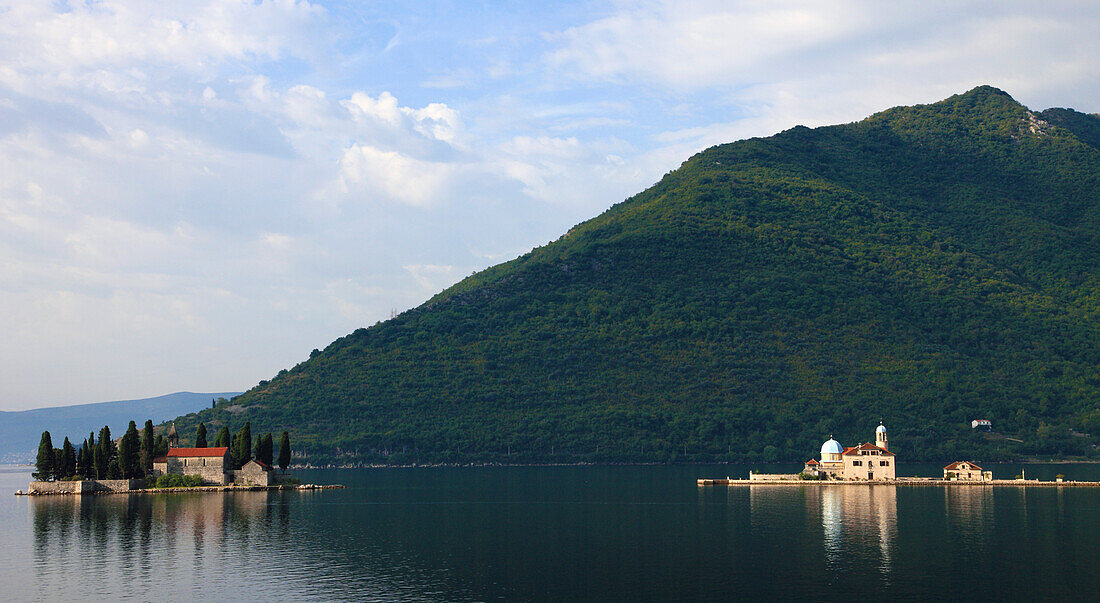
<point x="557" y="533"/>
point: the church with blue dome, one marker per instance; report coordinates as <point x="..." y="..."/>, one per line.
<point x="862" y="462"/>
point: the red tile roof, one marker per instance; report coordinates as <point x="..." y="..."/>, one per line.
<point x="161" y="459"/>
<point x="956" y="464"/>
<point x="811" y="462"/>
<point x="178" y="452"/>
<point x="866" y="446"/>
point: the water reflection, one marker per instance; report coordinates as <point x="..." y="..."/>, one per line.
<point x="584" y="533"/>
<point x="858" y="523"/>
<point x="103" y="542"/>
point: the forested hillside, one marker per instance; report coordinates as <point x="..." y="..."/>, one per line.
<point x="926" y="266"/>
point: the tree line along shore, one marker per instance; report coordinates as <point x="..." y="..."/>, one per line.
<point x="132" y="455"/>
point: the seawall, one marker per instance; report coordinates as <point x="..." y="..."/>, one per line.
<point x="905" y="481"/>
<point x="135" y="486"/>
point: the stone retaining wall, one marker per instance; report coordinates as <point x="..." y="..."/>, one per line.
<point x="61" y="487"/>
<point x="773" y="477"/>
<point x="85" y="486"/>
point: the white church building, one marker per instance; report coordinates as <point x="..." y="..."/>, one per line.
<point x="862" y="462"/>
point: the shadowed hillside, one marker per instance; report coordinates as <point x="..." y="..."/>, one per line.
<point x="925" y="266"/>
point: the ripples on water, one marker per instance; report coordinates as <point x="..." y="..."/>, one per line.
<point x="597" y="533"/>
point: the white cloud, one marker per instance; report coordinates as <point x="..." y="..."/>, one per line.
<point x="393" y="176"/>
<point x="194" y="36"/>
<point x="819" y="62"/>
<point x="701" y="43"/>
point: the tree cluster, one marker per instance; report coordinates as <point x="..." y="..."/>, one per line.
<point x="130" y="457"/>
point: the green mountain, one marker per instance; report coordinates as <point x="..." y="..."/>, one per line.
<point x="926" y="266"/>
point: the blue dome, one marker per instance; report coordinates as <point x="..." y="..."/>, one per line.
<point x="880" y="429"/>
<point x="831" y="447"/>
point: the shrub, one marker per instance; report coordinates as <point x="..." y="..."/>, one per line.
<point x="178" y="481"/>
<point x="290" y="481"/>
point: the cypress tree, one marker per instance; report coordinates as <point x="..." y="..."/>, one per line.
<point x="200" y="436"/>
<point x="242" y="446"/>
<point x="129" y="453"/>
<point x="148" y="451"/>
<point x="86" y="466"/>
<point x="124" y="454"/>
<point x="80" y="461"/>
<point x="89" y="456"/>
<point x="246" y="442"/>
<point x="44" y="463"/>
<point x="68" y="460"/>
<point x="99" y="463"/>
<point x="284" y="451"/>
<point x="107" y="452"/>
<point x="222" y="441"/>
<point x="161" y="447"/>
<point x="265" y="449"/>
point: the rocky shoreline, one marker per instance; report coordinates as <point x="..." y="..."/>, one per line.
<point x="32" y="492"/>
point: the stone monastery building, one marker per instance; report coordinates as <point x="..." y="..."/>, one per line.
<point x="211" y="464"/>
<point x="863" y="462"/>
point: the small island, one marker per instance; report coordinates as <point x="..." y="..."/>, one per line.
<point x="143" y="464"/>
<point x="875" y="464"/>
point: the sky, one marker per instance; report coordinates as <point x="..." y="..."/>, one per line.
<point x="195" y="194"/>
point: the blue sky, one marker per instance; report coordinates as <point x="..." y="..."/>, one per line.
<point x="194" y="195"/>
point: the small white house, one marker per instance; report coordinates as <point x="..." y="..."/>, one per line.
<point x="985" y="424"/>
<point x="965" y="471"/>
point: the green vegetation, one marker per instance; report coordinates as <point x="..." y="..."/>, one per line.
<point x="148" y="447"/>
<point x="284" y="451"/>
<point x="200" y="436"/>
<point x="45" y="462"/>
<point x="241" y="450"/>
<point x="66" y="460"/>
<point x="129" y="454"/>
<point x="926" y="266"/>
<point x="265" y="450"/>
<point x="178" y="481"/>
<point x="131" y="458"/>
<point x="222" y="440"/>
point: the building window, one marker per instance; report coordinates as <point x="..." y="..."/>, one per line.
<point x="857" y="463"/>
<point x="884" y="463"/>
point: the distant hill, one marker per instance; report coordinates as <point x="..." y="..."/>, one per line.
<point x="21" y="431"/>
<point x="925" y="266"/>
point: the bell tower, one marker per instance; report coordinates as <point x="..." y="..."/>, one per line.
<point x="173" y="437"/>
<point x="880" y="436"/>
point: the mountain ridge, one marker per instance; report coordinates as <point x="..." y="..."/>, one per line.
<point x="21" y="430"/>
<point x="923" y="265"/>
